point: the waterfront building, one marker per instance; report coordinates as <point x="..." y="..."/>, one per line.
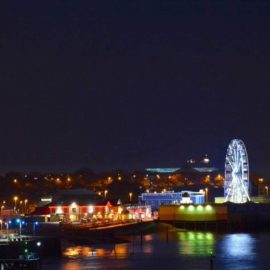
<point x="81" y="205"/>
<point x="77" y="205"/>
<point x="155" y="200"/>
<point x="139" y="212"/>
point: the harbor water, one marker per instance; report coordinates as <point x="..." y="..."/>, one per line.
<point x="170" y="249"/>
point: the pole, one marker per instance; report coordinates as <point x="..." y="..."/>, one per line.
<point x="211" y="261"/>
<point x="20" y="226"/>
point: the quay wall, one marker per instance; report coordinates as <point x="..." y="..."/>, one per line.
<point x="249" y="215"/>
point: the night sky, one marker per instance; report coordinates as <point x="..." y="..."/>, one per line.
<point x="132" y="84"/>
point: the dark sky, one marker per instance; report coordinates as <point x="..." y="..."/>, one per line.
<point x="132" y="84"/>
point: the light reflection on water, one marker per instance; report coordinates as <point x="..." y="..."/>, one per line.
<point x="238" y="245"/>
<point x="183" y="250"/>
<point x="196" y="243"/>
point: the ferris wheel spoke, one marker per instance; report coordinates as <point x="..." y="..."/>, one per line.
<point x="230" y="162"/>
<point x="235" y="157"/>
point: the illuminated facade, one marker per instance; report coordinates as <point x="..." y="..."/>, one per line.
<point x="236" y="184"/>
<point x="168" y="198"/>
<point x="193" y="212"/>
<point x="74" y="213"/>
<point x="78" y="204"/>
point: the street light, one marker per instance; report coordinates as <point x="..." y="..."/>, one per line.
<point x="21" y="202"/>
<point x="34" y="227"/>
<point x="130" y="196"/>
<point x="20" y="226"/>
<point x="2" y="207"/>
<point x="25" y="203"/>
<point x="206" y="194"/>
<point x="6" y="223"/>
<point x="260" y="180"/>
<point x="15" y="198"/>
<point x="266" y="190"/>
<point x="1" y="223"/>
<point x="105" y="193"/>
<point x="260" y="186"/>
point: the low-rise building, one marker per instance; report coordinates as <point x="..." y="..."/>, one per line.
<point x="155" y="200"/>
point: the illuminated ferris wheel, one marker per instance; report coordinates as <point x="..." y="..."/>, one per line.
<point x="236" y="184"/>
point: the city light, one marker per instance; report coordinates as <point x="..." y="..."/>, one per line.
<point x="1" y="224"/>
<point x="25" y="205"/>
<point x="38" y="243"/>
<point x="19" y="221"/>
<point x="15" y="198"/>
<point x="35" y="223"/>
<point x="90" y="209"/>
<point x="206" y="194"/>
<point x="59" y="210"/>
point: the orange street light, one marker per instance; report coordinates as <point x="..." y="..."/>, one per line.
<point x="206" y="194"/>
<point x="15" y="198"/>
<point x="130" y="196"/>
<point x="25" y="203"/>
<point x="260" y="180"/>
<point x="2" y="207"/>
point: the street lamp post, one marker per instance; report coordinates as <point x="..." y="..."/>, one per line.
<point x="7" y="226"/>
<point x="20" y="209"/>
<point x="25" y="203"/>
<point x="15" y="198"/>
<point x="20" y="226"/>
<point x="34" y="227"/>
<point x="260" y="182"/>
<point x="266" y="190"/>
<point x="1" y="223"/>
<point x="105" y="193"/>
<point x="130" y="196"/>
<point x="206" y="194"/>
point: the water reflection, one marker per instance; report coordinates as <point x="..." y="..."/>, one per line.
<point x="238" y="251"/>
<point x="238" y="245"/>
<point x="196" y="243"/>
<point x="120" y="251"/>
<point x="188" y="249"/>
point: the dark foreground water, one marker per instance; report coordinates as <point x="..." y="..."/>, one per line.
<point x="184" y="250"/>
